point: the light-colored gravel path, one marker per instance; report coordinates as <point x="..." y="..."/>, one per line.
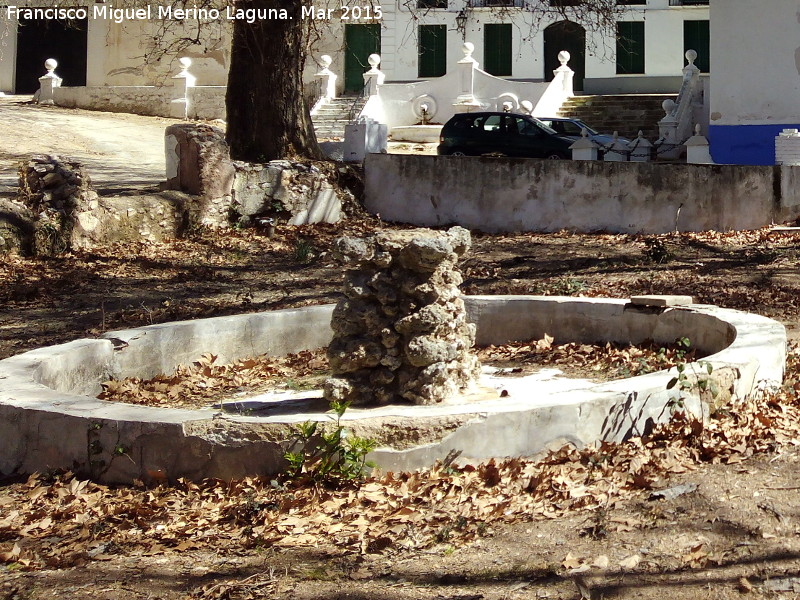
<point x="119" y="150"/>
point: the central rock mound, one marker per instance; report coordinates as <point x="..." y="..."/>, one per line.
<point x="401" y="333"/>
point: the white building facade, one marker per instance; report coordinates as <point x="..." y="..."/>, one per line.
<point x="755" y="90"/>
<point x="416" y="41"/>
<point x="645" y="54"/>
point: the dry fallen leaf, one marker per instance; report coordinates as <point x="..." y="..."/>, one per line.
<point x="630" y="562"/>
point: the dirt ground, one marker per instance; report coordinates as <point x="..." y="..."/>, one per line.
<point x="732" y="532"/>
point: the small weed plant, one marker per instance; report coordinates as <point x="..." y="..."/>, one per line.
<point x="303" y="251"/>
<point x="327" y="455"/>
<point x="656" y="251"/>
<point x="691" y="377"/>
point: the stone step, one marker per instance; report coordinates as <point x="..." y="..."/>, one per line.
<point x="624" y="113"/>
<point x="331" y="118"/>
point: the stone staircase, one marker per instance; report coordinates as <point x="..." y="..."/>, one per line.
<point x="624" y="113"/>
<point x="330" y="118"/>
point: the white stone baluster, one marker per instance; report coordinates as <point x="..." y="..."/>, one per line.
<point x="697" y="149"/>
<point x="326" y="77"/>
<point x="565" y="74"/>
<point x="466" y="100"/>
<point x="374" y="77"/>
<point x="48" y="82"/>
<point x="584" y="148"/>
<point x="179" y="107"/>
<point x="640" y="149"/>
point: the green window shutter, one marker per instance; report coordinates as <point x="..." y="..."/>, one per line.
<point x="696" y="37"/>
<point x="432" y="50"/>
<point x="497" y="49"/>
<point x="630" y="47"/>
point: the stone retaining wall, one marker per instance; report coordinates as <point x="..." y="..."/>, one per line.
<point x="205" y="102"/>
<point x="59" y="210"/>
<point x="507" y="195"/>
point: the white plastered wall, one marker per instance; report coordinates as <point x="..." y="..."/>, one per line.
<point x="663" y="39"/>
<point x="756" y="62"/>
<point x="8" y="53"/>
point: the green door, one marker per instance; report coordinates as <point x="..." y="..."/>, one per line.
<point x="569" y="36"/>
<point x="497" y="49"/>
<point x="432" y="50"/>
<point x="696" y="37"/>
<point x="359" y="42"/>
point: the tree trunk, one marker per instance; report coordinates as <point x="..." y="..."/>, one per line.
<point x="267" y="116"/>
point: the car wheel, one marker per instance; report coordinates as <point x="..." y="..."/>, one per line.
<point x="458" y="153"/>
<point x="555" y="156"/>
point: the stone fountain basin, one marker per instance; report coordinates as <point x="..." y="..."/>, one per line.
<point x="50" y="418"/>
<point x="416" y="133"/>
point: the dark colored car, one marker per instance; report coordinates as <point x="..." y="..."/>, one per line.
<point x="510" y="134"/>
<point x="571" y="128"/>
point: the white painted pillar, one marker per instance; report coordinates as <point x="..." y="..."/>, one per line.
<point x="640" y="150"/>
<point x="179" y="107"/>
<point x="466" y="100"/>
<point x="697" y="152"/>
<point x="47" y="83"/>
<point x="584" y="148"/>
<point x="8" y="50"/>
<point x="617" y="151"/>
<point x="565" y="74"/>
<point x="326" y="77"/>
<point x="374" y="77"/>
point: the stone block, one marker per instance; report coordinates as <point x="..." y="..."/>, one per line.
<point x="198" y="160"/>
<point x="662" y="301"/>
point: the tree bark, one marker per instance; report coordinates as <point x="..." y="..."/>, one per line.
<point x="267" y="116"/>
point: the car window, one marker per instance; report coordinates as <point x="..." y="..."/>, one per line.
<point x="526" y="127"/>
<point x="492" y="123"/>
<point x="543" y="126"/>
<point x="462" y="124"/>
<point x="569" y="128"/>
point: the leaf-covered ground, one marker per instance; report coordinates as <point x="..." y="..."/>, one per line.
<point x="206" y="382"/>
<point x="578" y="523"/>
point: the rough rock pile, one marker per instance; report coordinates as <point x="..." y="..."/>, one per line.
<point x="60" y="193"/>
<point x="68" y="213"/>
<point x="400" y="333"/>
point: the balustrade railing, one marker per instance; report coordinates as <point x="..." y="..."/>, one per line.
<point x="495" y="3"/>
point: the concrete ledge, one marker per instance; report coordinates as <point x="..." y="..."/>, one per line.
<point x="49" y="417"/>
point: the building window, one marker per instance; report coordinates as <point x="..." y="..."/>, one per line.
<point x="431" y="3"/>
<point x="696" y="37"/>
<point x="432" y="50"/>
<point x="497" y="49"/>
<point x="630" y="47"/>
<point x="631" y="2"/>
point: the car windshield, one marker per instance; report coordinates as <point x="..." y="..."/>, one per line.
<point x="545" y="127"/>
